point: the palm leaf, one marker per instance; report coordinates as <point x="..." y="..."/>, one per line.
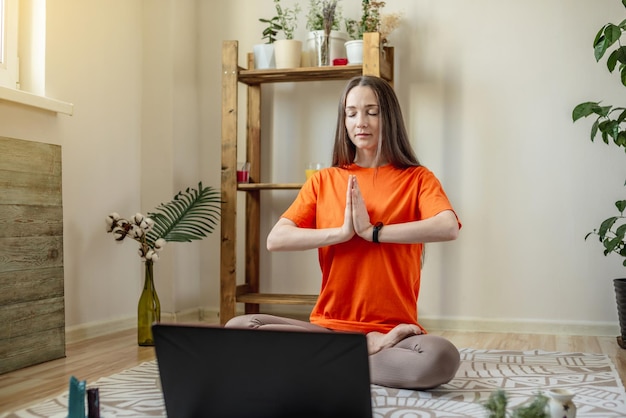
<point x="190" y="216"/>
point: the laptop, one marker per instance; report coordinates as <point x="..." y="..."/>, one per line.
<point x="241" y="373"/>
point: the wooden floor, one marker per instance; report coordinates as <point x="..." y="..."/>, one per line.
<point x="106" y="355"/>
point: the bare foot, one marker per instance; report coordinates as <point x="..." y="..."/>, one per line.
<point x="377" y="341"/>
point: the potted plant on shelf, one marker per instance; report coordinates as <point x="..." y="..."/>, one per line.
<point x="609" y="124"/>
<point x="264" y="53"/>
<point x="288" y="51"/>
<point x="372" y="20"/>
<point x="325" y="42"/>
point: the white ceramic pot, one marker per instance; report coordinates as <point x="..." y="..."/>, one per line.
<point x="354" y="51"/>
<point x="287" y="53"/>
<point x="336" y="47"/>
<point x="560" y="404"/>
<point x="264" y="56"/>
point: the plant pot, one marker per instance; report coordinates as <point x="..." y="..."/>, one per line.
<point x="354" y="51"/>
<point x="560" y="404"/>
<point x="620" y="298"/>
<point x="288" y="53"/>
<point x="264" y="56"/>
<point x="334" y="47"/>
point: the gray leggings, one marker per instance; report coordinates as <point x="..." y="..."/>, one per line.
<point x="417" y="362"/>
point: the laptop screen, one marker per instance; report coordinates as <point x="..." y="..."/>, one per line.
<point x="226" y="372"/>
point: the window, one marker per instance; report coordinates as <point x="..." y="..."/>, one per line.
<point x="2" y="37"/>
<point x="23" y="80"/>
<point x="8" y="43"/>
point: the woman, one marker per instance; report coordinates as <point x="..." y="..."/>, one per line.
<point x="369" y="215"/>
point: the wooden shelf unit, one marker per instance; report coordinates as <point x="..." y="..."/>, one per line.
<point x="377" y="61"/>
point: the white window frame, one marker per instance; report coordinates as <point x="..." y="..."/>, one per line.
<point x="2" y="36"/>
<point x="9" y="63"/>
<point x="10" y="88"/>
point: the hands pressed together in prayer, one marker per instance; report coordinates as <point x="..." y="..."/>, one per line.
<point x="356" y="219"/>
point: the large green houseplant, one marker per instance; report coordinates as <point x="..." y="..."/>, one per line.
<point x="609" y="124"/>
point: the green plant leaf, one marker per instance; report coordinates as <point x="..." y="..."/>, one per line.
<point x="620" y="232"/>
<point x="621" y="54"/>
<point x="536" y="409"/>
<point x="612" y="33"/>
<point x="611" y="244"/>
<point x="612" y="128"/>
<point x="605" y="135"/>
<point x="190" y="216"/>
<point x="606" y="225"/>
<point x="588" y="108"/>
<point x="607" y="36"/>
<point x="496" y="404"/>
<point x="611" y="62"/>
<point x="600" y="47"/>
<point x="621" y="205"/>
<point x="584" y="109"/>
<point x="594" y="129"/>
<point x="604" y="110"/>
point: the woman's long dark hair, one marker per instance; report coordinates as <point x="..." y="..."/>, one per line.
<point x="394" y="146"/>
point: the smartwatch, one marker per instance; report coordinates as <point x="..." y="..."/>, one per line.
<point x="377" y="227"/>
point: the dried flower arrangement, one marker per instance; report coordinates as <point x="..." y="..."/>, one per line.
<point x="189" y="216"/>
<point x="329" y="10"/>
<point x="321" y="13"/>
<point x="388" y="23"/>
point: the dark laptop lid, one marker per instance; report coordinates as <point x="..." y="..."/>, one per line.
<point x="226" y="372"/>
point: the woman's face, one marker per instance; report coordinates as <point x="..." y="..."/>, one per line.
<point x="362" y="118"/>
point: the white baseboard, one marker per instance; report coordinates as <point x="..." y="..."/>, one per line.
<point x="521" y="326"/>
<point x="88" y="330"/>
<point x="211" y="316"/>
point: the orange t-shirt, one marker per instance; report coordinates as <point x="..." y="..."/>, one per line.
<point x="366" y="286"/>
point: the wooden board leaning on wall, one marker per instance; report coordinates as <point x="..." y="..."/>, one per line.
<point x="32" y="308"/>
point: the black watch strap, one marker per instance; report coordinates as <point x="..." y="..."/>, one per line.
<point x="377" y="227"/>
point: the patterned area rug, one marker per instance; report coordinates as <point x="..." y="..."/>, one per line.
<point x="592" y="377"/>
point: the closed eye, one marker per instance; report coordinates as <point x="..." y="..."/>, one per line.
<point x="371" y="111"/>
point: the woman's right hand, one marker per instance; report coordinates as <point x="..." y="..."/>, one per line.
<point x="347" y="229"/>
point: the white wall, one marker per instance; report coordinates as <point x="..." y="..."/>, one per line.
<point x="487" y="89"/>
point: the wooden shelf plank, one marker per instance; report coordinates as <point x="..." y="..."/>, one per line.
<point x="284" y="75"/>
<point x="268" y="186"/>
<point x="277" y="298"/>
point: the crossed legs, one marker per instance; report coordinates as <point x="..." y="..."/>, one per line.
<point x="415" y="362"/>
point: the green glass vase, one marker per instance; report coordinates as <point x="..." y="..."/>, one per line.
<point x="149" y="309"/>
